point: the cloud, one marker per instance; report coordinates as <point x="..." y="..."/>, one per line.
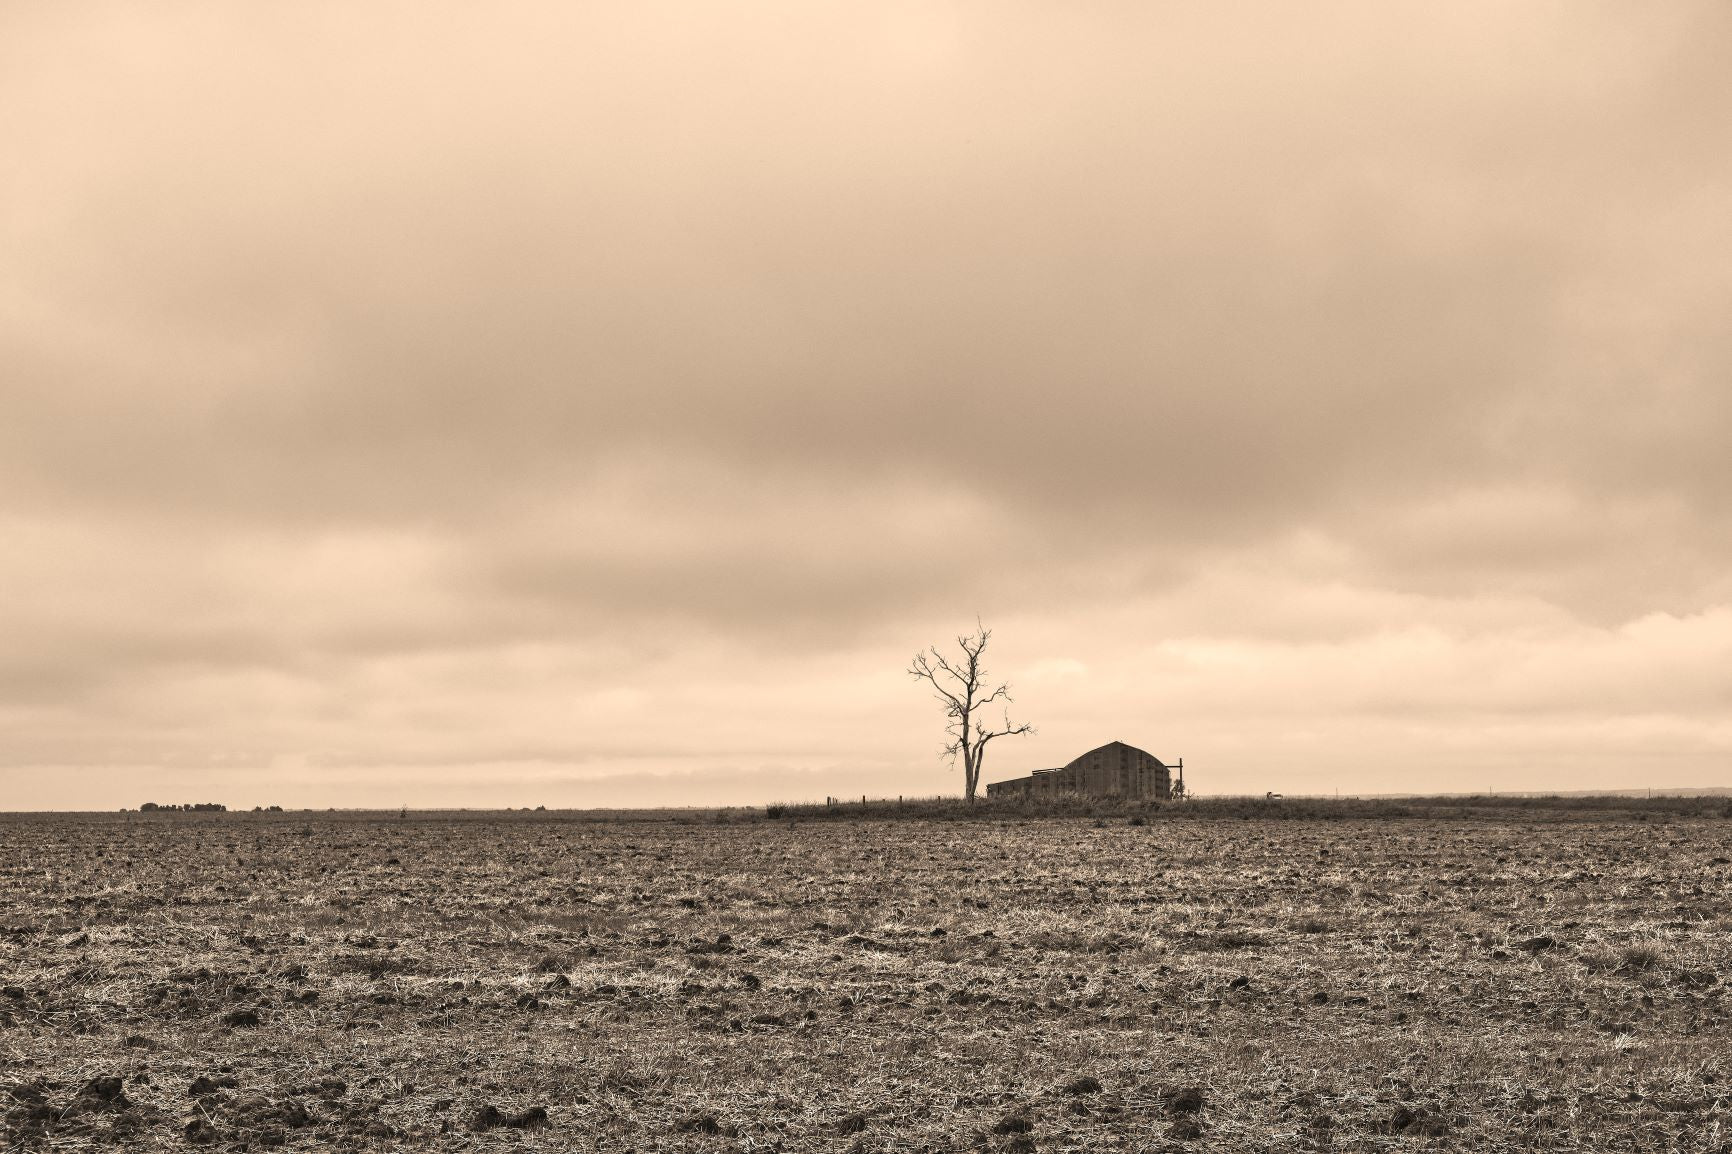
<point x="391" y="385"/>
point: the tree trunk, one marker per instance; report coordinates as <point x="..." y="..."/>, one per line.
<point x="970" y="763"/>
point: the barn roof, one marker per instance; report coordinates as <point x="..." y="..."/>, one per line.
<point x="1116" y="745"/>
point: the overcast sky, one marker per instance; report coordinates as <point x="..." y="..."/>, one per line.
<point x="598" y="404"/>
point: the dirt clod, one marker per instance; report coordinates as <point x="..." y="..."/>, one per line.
<point x="704" y="1123"/>
<point x="108" y="1089"/>
<point x="200" y="1132"/>
<point x="1182" y="1100"/>
<point x="99" y="1095"/>
<point x="205" y="1084"/>
<point x="1405" y="1120"/>
<point x="491" y="1117"/>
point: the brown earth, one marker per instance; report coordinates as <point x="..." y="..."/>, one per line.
<point x="246" y="981"/>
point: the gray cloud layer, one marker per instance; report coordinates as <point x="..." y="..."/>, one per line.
<point x="511" y="398"/>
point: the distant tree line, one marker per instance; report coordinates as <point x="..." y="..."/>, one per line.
<point x="189" y="807"/>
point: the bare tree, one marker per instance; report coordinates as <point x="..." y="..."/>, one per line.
<point x="961" y="686"/>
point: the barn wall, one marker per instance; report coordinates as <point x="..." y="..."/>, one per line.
<point x="1115" y="770"/>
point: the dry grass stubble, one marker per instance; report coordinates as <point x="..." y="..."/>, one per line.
<point x="269" y="980"/>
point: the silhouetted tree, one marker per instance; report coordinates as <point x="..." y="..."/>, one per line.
<point x="961" y="685"/>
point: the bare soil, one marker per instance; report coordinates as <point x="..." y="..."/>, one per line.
<point x="251" y="981"/>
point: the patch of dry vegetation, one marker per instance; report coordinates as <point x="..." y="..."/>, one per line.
<point x="255" y="981"/>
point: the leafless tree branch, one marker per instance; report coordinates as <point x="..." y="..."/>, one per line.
<point x="960" y="685"/>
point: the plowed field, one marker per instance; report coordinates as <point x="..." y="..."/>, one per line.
<point x="337" y="982"/>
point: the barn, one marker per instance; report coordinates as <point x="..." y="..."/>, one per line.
<point x="1113" y="770"/>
